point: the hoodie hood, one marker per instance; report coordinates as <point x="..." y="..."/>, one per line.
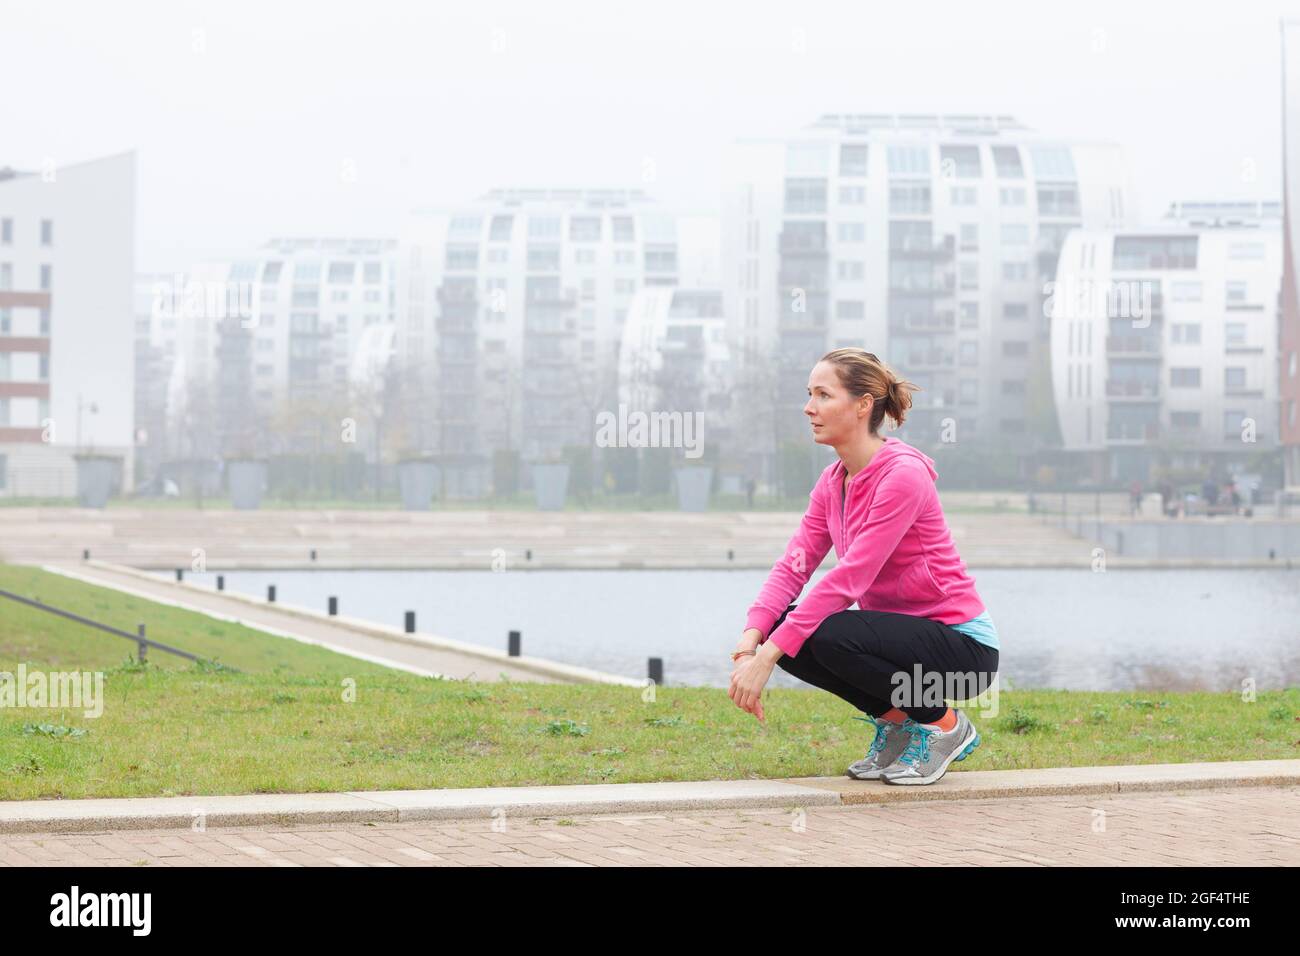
<point x="893" y="448"/>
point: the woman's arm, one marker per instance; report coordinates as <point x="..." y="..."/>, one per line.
<point x="803" y="555"/>
<point x="897" y="502"/>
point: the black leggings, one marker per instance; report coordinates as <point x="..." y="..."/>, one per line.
<point x="877" y="660"/>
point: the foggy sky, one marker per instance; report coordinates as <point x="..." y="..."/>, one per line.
<point x="245" y="116"/>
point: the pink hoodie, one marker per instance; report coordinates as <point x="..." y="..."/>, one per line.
<point x="892" y="544"/>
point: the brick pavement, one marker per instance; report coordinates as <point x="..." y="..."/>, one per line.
<point x="1227" y="827"/>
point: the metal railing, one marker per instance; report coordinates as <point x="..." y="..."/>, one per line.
<point x="142" y="643"/>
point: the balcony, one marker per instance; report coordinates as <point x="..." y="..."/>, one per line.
<point x="923" y="247"/>
<point x="1119" y="388"/>
<point x="802" y="244"/>
<point x="940" y="284"/>
<point x="1132" y="433"/>
<point x="1133" y="346"/>
<point x="929" y="358"/>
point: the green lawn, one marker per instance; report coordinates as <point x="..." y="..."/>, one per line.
<point x="286" y="722"/>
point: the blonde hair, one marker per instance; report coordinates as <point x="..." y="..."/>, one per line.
<point x="863" y="374"/>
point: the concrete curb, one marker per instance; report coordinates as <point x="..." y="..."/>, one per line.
<point x="564" y="672"/>
<point x="395" y="806"/>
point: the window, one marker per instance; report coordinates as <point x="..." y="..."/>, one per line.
<point x="270" y="276"/>
<point x="584" y="257"/>
<point x="853" y="195"/>
<point x="44" y="373"/>
<point x="853" y="159"/>
<point x="1185" y="378"/>
<point x="4" y="459"/>
<point x="849" y="269"/>
<point x="6" y="232"/>
<point x="847" y="309"/>
<point x="1058" y="201"/>
<point x="1011" y="196"/>
<point x="909" y="161"/>
<point x="1234" y="334"/>
<point x="47" y="233"/>
<point x="970" y="275"/>
<point x="1185" y="419"/>
<point x="336" y="295"/>
<point x="1185" y="333"/>
<point x="47" y="272"/>
<point x="1015" y="349"/>
<point x="1015" y="311"/>
<point x="342" y="273"/>
<point x="373" y="273"/>
<point x="624" y="286"/>
<point x="501" y="229"/>
<point x="1234" y="378"/>
<point x="960" y="161"/>
<point x="1015" y="271"/>
<point x="968" y="391"/>
<point x="6" y="276"/>
<point x="498" y="255"/>
<point x="1185" y="291"/>
<point x="805" y="195"/>
<point x="910" y="198"/>
<point x="970" y="315"/>
<point x="543" y="258"/>
<point x="1013" y="386"/>
<point x="623" y="229"/>
<point x="1246" y="250"/>
<point x="466" y="227"/>
<point x="1232" y="423"/>
<point x="1015" y="234"/>
<point x="851" y="232"/>
<point x="584" y="228"/>
<point x="963" y="195"/>
<point x="968" y="353"/>
<point x="543" y="227"/>
<point x="970" y="236"/>
<point x="1235" y="292"/>
<point x="1155" y="252"/>
<point x="624" y="257"/>
<point x="462" y="257"/>
<point x="1052" y="162"/>
<point x="660" y="260"/>
<point x="306" y="271"/>
<point x="1007" y="161"/>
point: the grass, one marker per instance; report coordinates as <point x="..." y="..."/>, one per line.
<point x="302" y="719"/>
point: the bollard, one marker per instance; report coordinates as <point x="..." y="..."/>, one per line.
<point x="270" y="593"/>
<point x="85" y="554"/>
<point x="143" y="647"/>
<point x="528" y="554"/>
<point x="221" y="582"/>
<point x="334" y="606"/>
<point x="731" y="555"/>
<point x="657" y="671"/>
<point x="313" y="554"/>
<point x="513" y="642"/>
<point x="410" y="622"/>
<point x="179" y="574"/>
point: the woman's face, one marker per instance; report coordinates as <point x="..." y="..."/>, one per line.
<point x="834" y="415"/>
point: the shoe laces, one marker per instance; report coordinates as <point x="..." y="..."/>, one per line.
<point x="918" y="748"/>
<point x="878" y="743"/>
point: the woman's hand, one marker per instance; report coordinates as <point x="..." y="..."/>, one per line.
<point x="749" y="641"/>
<point x="747" y="682"/>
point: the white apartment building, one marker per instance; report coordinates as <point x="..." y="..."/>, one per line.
<point x="67" y="365"/>
<point x="926" y="239"/>
<point x="511" y="312"/>
<point x="1165" y="339"/>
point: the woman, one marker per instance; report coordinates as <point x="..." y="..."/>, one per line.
<point x="922" y="634"/>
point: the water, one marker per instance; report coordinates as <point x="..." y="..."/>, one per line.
<point x="1070" y="629"/>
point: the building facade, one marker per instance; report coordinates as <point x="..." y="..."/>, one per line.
<point x="1289" y="329"/>
<point x="67" y="364"/>
<point x="925" y="239"/>
<point x="1164" y="341"/>
<point x="511" y="313"/>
